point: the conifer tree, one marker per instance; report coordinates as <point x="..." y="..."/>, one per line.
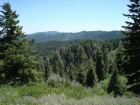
<point x="116" y="85"/>
<point x="19" y="66"/>
<point x="105" y="50"/>
<point x="91" y="77"/>
<point x="70" y="70"/>
<point x="131" y="44"/>
<point x="120" y="58"/>
<point x="100" y="66"/>
<point x="81" y="74"/>
<point x="80" y="55"/>
<point x="47" y="70"/>
<point x="57" y="64"/>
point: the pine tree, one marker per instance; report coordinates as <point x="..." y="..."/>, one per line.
<point x="119" y="58"/>
<point x="100" y="66"/>
<point x="131" y="45"/>
<point x="19" y="66"/>
<point x="80" y="55"/>
<point x="81" y="75"/>
<point x="57" y="64"/>
<point x="47" y="69"/>
<point x="70" y="71"/>
<point x="114" y="84"/>
<point x="91" y="77"/>
<point x="105" y="50"/>
<point x="117" y="84"/>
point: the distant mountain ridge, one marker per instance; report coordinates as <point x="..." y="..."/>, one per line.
<point x="47" y="33"/>
<point x="61" y="36"/>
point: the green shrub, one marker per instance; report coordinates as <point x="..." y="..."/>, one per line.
<point x="129" y="94"/>
<point x="53" y="83"/>
<point x="41" y="93"/>
<point x="97" y="91"/>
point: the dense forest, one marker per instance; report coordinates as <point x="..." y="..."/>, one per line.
<point x="78" y="67"/>
<point x="87" y="62"/>
<point x="57" y="36"/>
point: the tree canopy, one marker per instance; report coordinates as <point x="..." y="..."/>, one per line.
<point x="18" y="64"/>
<point x="131" y="44"/>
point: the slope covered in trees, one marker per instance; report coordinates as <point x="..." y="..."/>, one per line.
<point x="46" y="48"/>
<point x="82" y="62"/>
<point x="95" y="35"/>
<point x="98" y="66"/>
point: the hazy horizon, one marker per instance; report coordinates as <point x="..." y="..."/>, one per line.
<point x="70" y="16"/>
<point x="72" y="32"/>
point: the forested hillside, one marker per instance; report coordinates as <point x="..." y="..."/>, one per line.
<point x="45" y="48"/>
<point x="87" y="62"/>
<point x="95" y="35"/>
<point x="83" y="68"/>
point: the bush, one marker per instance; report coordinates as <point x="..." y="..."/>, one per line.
<point x="97" y="91"/>
<point x="54" y="80"/>
<point x="53" y="83"/>
<point x="129" y="94"/>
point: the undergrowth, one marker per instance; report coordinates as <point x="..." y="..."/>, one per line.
<point x="43" y="94"/>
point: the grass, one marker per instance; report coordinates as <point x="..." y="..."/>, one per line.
<point x="42" y="94"/>
<point x="96" y="100"/>
<point x="41" y="89"/>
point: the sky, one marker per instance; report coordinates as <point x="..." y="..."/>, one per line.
<point x="69" y="15"/>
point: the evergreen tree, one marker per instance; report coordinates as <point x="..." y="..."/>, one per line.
<point x="105" y="50"/>
<point x="131" y="45"/>
<point x="19" y="66"/>
<point x="100" y="66"/>
<point x="119" y="58"/>
<point x="80" y="55"/>
<point x="117" y="84"/>
<point x="91" y="77"/>
<point x="81" y="75"/>
<point x="47" y="70"/>
<point x="71" y="71"/>
<point x="114" y="84"/>
<point x="57" y="64"/>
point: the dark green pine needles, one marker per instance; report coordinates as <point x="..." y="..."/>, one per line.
<point x="18" y="66"/>
<point x="131" y="45"/>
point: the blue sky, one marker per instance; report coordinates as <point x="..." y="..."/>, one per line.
<point x="70" y="15"/>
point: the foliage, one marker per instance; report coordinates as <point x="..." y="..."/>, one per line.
<point x="89" y="63"/>
<point x="18" y="66"/>
<point x="55" y="80"/>
<point x="131" y="44"/>
<point x="100" y="66"/>
<point x="46" y="48"/>
<point x="120" y="58"/>
<point x="36" y="94"/>
<point x="98" y="35"/>
<point x="47" y="70"/>
<point x="57" y="64"/>
<point x="91" y="78"/>
<point x="75" y="61"/>
<point x="105" y="50"/>
<point x="117" y="84"/>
